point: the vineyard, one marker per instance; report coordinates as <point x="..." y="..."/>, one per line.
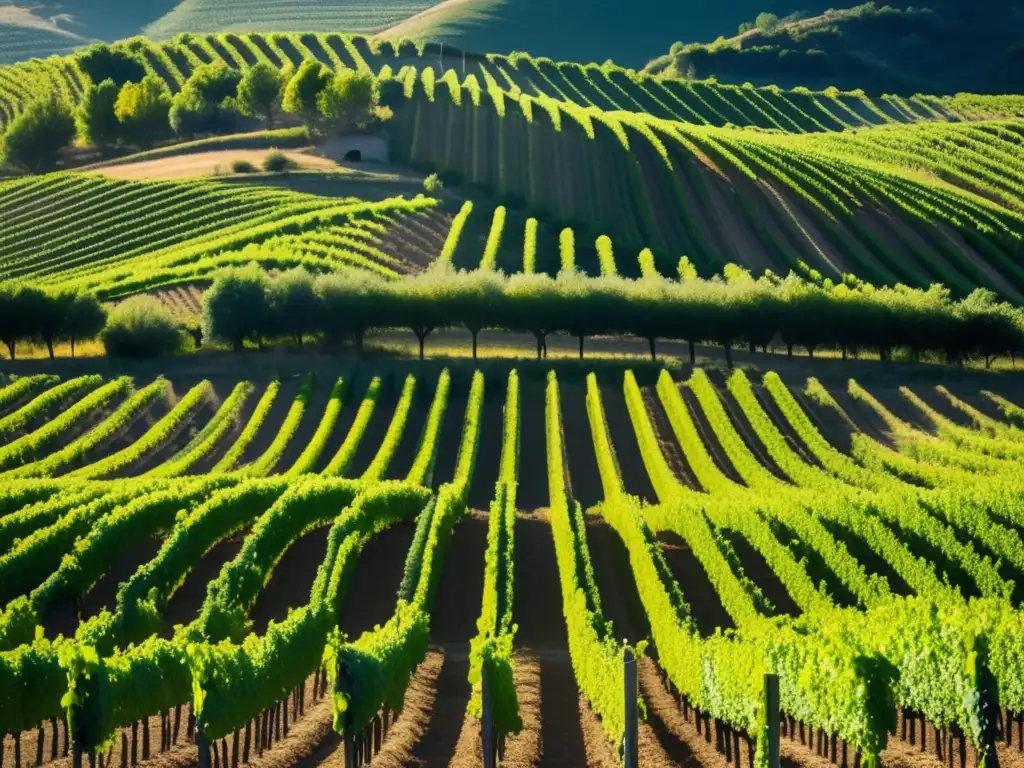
<point x="190" y="566"/>
<point x="615" y="88"/>
<point x="119" y="237"/>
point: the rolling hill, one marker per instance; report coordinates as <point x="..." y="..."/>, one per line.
<point x="942" y="46"/>
<point x="599" y="30"/>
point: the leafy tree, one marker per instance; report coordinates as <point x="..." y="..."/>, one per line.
<point x="301" y="95"/>
<point x="206" y="102"/>
<point x="143" y="110"/>
<point x="767" y="22"/>
<point x="260" y="91"/>
<point x="103" y="62"/>
<point x="350" y="304"/>
<point x="19" y="314"/>
<point x="85" y="319"/>
<point x="293" y="302"/>
<point x="351" y="100"/>
<point x="141" y="327"/>
<point x="236" y="307"/>
<point x="35" y="138"/>
<point x="95" y="118"/>
<point x="49" y="313"/>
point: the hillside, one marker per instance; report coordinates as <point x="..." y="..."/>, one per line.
<point x="940" y="46"/>
<point x="600" y="30"/>
<point x="592" y="31"/>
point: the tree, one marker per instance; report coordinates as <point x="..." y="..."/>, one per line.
<point x="103" y="62"/>
<point x="49" y="312"/>
<point x="351" y="101"/>
<point x="143" y="110"/>
<point x="35" y="138"/>
<point x="17" y="315"/>
<point x="767" y="22"/>
<point x="293" y="304"/>
<point x="206" y="102"/>
<point x="85" y="319"/>
<point x="259" y="93"/>
<point x="97" y="123"/>
<point x="236" y="306"/>
<point x="302" y="93"/>
<point x="141" y="327"/>
<point x="349" y="304"/>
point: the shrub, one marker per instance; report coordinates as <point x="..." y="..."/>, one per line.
<point x="141" y="327"/>
<point x="276" y="161"/>
<point x="102" y="62"/>
<point x="35" y="138"/>
<point x="433" y="184"/>
<point x="243" y="166"/>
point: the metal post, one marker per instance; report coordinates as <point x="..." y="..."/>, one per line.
<point x="487" y="722"/>
<point x="630" y="750"/>
<point x="771" y="707"/>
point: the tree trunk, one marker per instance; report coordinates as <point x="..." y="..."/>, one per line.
<point x="810" y="352"/>
<point x="652" y="342"/>
<point x="475" y="332"/>
<point x="789" y="350"/>
<point x="49" y="346"/>
<point x="360" y="334"/>
<point x="422" y="337"/>
<point x="728" y="355"/>
<point x="72" y="346"/>
<point x="753" y="349"/>
<point x="581" y="345"/>
<point x="693" y="353"/>
<point x="844" y="351"/>
<point x="11" y="347"/>
<point x="298" y="340"/>
<point x="540" y="343"/>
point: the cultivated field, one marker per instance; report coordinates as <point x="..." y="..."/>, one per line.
<point x="210" y="532"/>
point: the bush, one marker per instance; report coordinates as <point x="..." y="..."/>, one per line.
<point x="101" y="62"/>
<point x="207" y="102"/>
<point x="243" y="166"/>
<point x="276" y="162"/>
<point x="141" y="327"/>
<point x="35" y="138"/>
<point x="303" y="90"/>
<point x="433" y="184"/>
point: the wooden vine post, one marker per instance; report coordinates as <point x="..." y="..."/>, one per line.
<point x="771" y="711"/>
<point x="487" y="722"/>
<point x="630" y="748"/>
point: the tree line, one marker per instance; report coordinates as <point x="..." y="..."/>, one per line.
<point x="245" y="304"/>
<point x="125" y="105"/>
<point x="28" y="313"/>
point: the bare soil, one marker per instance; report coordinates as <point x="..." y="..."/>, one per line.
<point x="370" y="598"/>
<point x="290" y="581"/>
<point x="533" y="454"/>
<point x="620" y="601"/>
<point x="584" y="477"/>
<point x="275" y="417"/>
<point x="319" y="396"/>
<point x="705" y="605"/>
<point x="373" y="436"/>
<point x="207" y="164"/>
<point x="450" y="440"/>
<point x="670" y="448"/>
<point x="186" y="603"/>
<point x="632" y="469"/>
<point x="708" y="437"/>
<point x="757" y="570"/>
<point x="409" y="444"/>
<point x="488" y="452"/>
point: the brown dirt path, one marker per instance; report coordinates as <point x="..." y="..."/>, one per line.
<point x="533" y="452"/>
<point x="584" y="477"/>
<point x="453" y="624"/>
<point x="199" y="164"/>
<point x="542" y="633"/>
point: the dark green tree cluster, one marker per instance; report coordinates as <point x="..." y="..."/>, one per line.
<point x="125" y="105"/>
<point x="727" y="311"/>
<point x="28" y="313"/>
